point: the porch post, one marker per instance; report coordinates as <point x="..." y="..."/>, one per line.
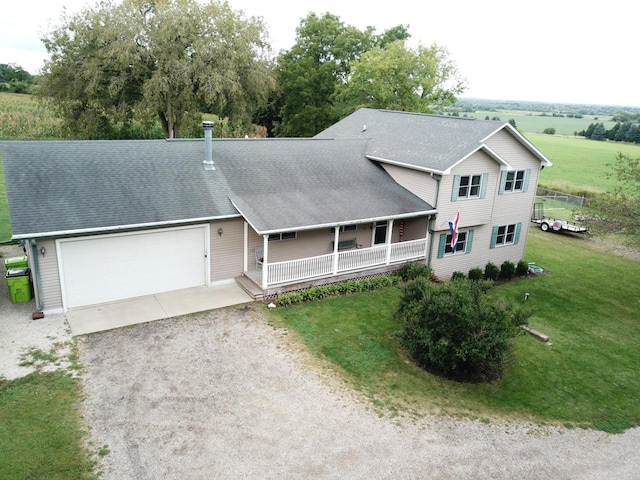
<point x="336" y="237"/>
<point x="426" y="241"/>
<point x="246" y="247"/>
<point x="265" y="262"/>
<point x="389" y="235"/>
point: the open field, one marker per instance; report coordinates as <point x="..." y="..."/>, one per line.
<point x="579" y="164"/>
<point x="534" y="122"/>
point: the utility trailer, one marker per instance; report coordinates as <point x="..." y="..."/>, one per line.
<point x="554" y="224"/>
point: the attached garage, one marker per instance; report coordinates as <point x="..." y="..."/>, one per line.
<point x="104" y="268"/>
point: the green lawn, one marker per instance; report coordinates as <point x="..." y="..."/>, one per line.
<point x="41" y="435"/>
<point x="579" y="164"/>
<point x="587" y="302"/>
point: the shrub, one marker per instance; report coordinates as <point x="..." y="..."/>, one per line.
<point x="507" y="269"/>
<point x="475" y="274"/>
<point x="456" y="329"/>
<point x="412" y="270"/>
<point x="522" y="268"/>
<point x="491" y="271"/>
<point x="458" y="276"/>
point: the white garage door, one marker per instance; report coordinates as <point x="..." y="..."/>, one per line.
<point x="113" y="267"/>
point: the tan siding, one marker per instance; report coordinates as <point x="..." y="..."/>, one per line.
<point x="421" y="184"/>
<point x="49" y="275"/>
<point x="473" y="211"/>
<point x="226" y="259"/>
<point x="481" y="253"/>
<point x="514" y="206"/>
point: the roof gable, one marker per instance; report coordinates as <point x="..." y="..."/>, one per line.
<point x="432" y="143"/>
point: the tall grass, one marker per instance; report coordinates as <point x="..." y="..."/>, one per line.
<point x="22" y="117"/>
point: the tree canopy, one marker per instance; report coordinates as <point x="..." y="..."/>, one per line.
<point x="618" y="211"/>
<point x="334" y="68"/>
<point x="154" y="59"/>
<point x="395" y="77"/>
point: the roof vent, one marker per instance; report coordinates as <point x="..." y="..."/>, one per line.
<point x="208" y="153"/>
<point x="364" y="128"/>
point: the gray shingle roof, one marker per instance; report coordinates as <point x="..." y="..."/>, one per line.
<point x="66" y="186"/>
<point x="431" y="142"/>
<point x="277" y="184"/>
<point x="280" y="184"/>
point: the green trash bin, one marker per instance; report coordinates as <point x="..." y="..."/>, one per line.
<point x="16" y="262"/>
<point x="19" y="282"/>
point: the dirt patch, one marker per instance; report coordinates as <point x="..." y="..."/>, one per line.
<point x="226" y="395"/>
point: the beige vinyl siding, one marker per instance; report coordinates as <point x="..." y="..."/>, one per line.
<point x="473" y="211"/>
<point x="481" y="253"/>
<point x="49" y="275"/>
<point x="226" y="259"/>
<point x="515" y="206"/>
<point x="421" y="184"/>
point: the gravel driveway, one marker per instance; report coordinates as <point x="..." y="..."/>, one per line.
<point x="225" y="395"/>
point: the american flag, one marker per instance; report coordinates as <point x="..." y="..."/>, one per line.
<point x="453" y="226"/>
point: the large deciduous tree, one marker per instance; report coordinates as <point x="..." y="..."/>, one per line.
<point x="154" y="59"/>
<point x="398" y="78"/>
<point x="310" y="72"/>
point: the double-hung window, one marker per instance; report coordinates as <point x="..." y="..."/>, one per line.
<point x="514" y="181"/>
<point x="465" y="240"/>
<point x="506" y="234"/>
<point x="469" y="186"/>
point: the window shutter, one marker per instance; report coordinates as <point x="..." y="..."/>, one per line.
<point x="527" y="175"/>
<point x="469" y="241"/>
<point x="483" y="185"/>
<point x="442" y="245"/>
<point x="494" y="237"/>
<point x="456" y="187"/>
<point x="517" y="237"/>
<point x="503" y="181"/>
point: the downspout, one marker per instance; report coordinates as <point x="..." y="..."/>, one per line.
<point x="431" y="219"/>
<point x="36" y="267"/>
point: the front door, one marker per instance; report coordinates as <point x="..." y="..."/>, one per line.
<point x="380" y="233"/>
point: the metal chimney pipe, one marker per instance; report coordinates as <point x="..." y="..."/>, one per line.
<point x="208" y="152"/>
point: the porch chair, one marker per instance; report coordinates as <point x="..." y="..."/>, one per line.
<point x="259" y="257"/>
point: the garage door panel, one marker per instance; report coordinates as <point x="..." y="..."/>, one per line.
<point x="102" y="269"/>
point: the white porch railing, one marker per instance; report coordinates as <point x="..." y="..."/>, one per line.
<point x="351" y="260"/>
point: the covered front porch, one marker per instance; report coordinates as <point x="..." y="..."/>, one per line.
<point x="387" y="249"/>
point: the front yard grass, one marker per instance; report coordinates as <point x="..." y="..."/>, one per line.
<point x="41" y="433"/>
<point x="587" y="302"/>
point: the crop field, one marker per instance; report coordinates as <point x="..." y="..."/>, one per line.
<point x="534" y="122"/>
<point x="21" y="116"/>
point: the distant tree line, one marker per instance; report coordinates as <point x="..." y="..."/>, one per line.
<point x="625" y="131"/>
<point x="14" y="79"/>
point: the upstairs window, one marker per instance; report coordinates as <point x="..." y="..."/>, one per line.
<point x="514" y="181"/>
<point x="469" y="186"/>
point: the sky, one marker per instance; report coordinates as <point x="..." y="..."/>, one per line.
<point x="565" y="51"/>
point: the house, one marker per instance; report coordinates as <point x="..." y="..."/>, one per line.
<point x="108" y="220"/>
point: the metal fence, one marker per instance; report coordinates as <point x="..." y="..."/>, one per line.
<point x="554" y="199"/>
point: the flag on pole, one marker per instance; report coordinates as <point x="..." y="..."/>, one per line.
<point x="453" y="226"/>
